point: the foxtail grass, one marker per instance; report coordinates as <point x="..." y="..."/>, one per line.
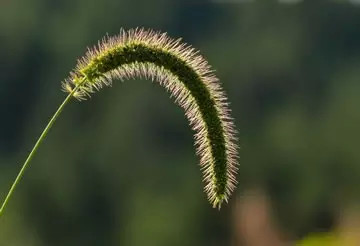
<point x="186" y="75"/>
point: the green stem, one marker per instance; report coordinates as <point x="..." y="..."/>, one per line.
<point x="36" y="146"/>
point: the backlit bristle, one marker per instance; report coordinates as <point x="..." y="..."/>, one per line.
<point x="189" y="79"/>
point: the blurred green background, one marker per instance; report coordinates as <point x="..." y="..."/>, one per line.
<point x="120" y="169"/>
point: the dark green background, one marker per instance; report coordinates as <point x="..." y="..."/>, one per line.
<point x="120" y="169"/>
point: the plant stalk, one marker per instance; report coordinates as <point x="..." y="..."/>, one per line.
<point x="34" y="149"/>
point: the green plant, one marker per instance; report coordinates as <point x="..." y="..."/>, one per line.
<point x="188" y="78"/>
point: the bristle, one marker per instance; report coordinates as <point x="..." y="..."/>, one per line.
<point x="107" y="61"/>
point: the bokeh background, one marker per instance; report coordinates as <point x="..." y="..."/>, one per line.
<point x="120" y="169"/>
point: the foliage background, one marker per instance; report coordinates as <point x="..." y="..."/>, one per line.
<point x="120" y="169"/>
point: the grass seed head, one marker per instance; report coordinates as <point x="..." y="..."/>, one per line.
<point x="186" y="75"/>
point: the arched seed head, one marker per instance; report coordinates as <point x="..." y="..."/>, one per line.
<point x="190" y="81"/>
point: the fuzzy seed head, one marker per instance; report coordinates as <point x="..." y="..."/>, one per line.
<point x="186" y="75"/>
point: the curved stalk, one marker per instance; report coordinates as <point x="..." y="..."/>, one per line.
<point x="34" y="149"/>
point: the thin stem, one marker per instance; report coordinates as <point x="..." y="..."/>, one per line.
<point x="36" y="146"/>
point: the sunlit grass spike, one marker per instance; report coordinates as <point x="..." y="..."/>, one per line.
<point x="186" y="75"/>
